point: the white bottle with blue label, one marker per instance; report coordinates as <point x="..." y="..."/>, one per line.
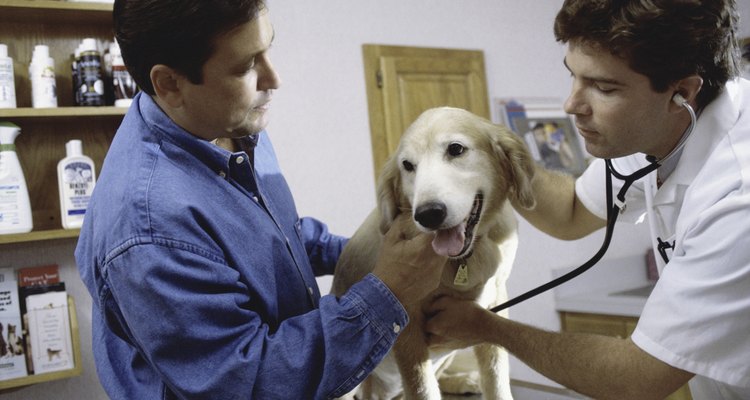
<point x="76" y="178"/>
<point x="15" y="208"/>
<point x="7" y="79"/>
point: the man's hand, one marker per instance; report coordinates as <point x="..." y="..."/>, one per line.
<point x="594" y="365"/>
<point x="408" y="265"/>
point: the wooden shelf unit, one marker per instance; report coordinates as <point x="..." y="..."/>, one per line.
<point x="41" y="145"/>
<point x="44" y="131"/>
<point x="60" y="113"/>
<point x="50" y="376"/>
<point x="49" y="11"/>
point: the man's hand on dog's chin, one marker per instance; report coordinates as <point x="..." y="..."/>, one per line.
<point x="407" y="264"/>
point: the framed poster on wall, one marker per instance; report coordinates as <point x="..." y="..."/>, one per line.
<point x="547" y="130"/>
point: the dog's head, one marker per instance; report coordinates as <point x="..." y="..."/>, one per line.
<point x="451" y="169"/>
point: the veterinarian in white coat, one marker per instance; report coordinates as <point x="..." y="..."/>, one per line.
<point x="695" y="324"/>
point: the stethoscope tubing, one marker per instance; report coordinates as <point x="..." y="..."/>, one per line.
<point x="613" y="210"/>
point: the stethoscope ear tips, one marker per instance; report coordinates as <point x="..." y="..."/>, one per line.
<point x="678" y="99"/>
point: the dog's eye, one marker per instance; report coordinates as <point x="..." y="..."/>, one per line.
<point x="408" y="166"/>
<point x="455" y="149"/>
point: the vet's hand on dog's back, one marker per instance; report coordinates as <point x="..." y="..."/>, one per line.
<point x="407" y="264"/>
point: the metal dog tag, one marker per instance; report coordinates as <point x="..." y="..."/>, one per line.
<point x="462" y="276"/>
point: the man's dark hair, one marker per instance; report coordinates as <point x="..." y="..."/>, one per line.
<point x="180" y="34"/>
<point x="665" y="40"/>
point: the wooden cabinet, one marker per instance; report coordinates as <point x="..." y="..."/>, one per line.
<point x="41" y="145"/>
<point x="44" y="132"/>
<point x="609" y="325"/>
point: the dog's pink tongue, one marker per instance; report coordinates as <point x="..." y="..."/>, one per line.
<point x="449" y="242"/>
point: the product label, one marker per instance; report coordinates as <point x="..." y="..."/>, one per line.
<point x="91" y="90"/>
<point x="43" y="88"/>
<point x="9" y="213"/>
<point x="7" y="86"/>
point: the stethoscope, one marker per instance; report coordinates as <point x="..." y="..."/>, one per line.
<point x="614" y="207"/>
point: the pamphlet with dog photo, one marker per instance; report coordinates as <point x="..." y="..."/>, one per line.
<point x="12" y="356"/>
<point x="32" y="281"/>
<point x="49" y="330"/>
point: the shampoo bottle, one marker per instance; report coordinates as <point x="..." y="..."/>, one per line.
<point x="75" y="77"/>
<point x="124" y="85"/>
<point x="76" y="179"/>
<point x="15" y="208"/>
<point x="7" y="80"/>
<point x="90" y="78"/>
<point x="42" y="76"/>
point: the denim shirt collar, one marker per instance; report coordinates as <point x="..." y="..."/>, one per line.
<point x="215" y="157"/>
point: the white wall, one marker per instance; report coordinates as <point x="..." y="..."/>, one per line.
<point x="320" y="130"/>
<point x="320" y="123"/>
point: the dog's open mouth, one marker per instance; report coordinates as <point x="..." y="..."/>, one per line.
<point x="456" y="242"/>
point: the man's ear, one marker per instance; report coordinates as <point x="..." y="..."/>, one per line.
<point x="167" y="84"/>
<point x="688" y="88"/>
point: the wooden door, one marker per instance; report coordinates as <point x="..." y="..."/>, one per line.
<point x="402" y="82"/>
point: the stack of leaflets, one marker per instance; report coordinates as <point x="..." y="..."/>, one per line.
<point x="45" y="308"/>
<point x="12" y="354"/>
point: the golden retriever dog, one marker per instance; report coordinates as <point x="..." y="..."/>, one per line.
<point x="455" y="173"/>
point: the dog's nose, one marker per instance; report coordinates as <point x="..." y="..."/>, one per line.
<point x="430" y="215"/>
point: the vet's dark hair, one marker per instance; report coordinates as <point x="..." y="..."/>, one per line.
<point x="178" y="33"/>
<point x="665" y="40"/>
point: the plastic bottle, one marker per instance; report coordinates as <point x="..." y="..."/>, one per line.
<point x="15" y="208"/>
<point x="42" y="76"/>
<point x="76" y="179"/>
<point x="7" y="80"/>
<point x="109" y="95"/>
<point x="90" y="74"/>
<point x="124" y="85"/>
<point x="74" y="76"/>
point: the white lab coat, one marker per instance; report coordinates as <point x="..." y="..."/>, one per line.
<point x="698" y="316"/>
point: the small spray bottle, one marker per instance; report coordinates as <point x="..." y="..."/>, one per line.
<point x="15" y="208"/>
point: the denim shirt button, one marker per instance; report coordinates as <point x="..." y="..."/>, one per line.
<point x="396" y="328"/>
<point x="310" y="290"/>
<point x="239" y="160"/>
<point x="222" y="174"/>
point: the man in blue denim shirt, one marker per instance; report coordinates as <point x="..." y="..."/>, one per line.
<point x="201" y="272"/>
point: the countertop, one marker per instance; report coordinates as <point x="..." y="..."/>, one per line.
<point x="612" y="287"/>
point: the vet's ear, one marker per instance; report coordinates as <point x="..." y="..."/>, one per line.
<point x="388" y="193"/>
<point x="522" y="166"/>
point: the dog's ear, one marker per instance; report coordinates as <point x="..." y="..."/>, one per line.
<point x="388" y="193"/>
<point x="522" y="166"/>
